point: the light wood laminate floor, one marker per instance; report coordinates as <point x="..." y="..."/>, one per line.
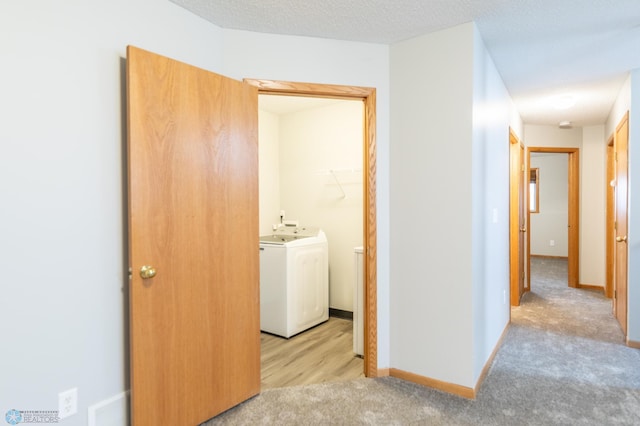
<point x="321" y="354"/>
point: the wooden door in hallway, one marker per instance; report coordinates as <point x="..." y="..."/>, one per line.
<point x="517" y="224"/>
<point x="193" y="221"/>
<point x="621" y="140"/>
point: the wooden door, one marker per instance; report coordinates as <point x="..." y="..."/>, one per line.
<point x="193" y="199"/>
<point x="621" y="140"/>
<point x="516" y="218"/>
<point x="522" y="225"/>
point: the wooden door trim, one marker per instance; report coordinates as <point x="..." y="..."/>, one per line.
<point x="368" y="96"/>
<point x="610" y="220"/>
<point x="573" y="208"/>
<point x="528" y="243"/>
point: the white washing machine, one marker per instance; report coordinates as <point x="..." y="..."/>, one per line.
<point x="294" y="280"/>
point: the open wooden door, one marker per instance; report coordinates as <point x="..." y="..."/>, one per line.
<point x="621" y="140"/>
<point x="193" y="241"/>
<point x="522" y="224"/>
<point x="517" y="225"/>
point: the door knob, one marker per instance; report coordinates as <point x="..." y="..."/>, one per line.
<point x="147" y="272"/>
<point x="621" y="239"/>
<point x="523" y="229"/>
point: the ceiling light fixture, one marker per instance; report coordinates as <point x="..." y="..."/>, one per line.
<point x="564" y="124"/>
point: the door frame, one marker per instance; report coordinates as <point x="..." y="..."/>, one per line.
<point x="610" y="227"/>
<point x="368" y="96"/>
<point x="573" y="277"/>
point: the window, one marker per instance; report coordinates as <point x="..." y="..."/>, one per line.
<point x="534" y="190"/>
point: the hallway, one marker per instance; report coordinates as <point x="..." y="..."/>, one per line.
<point x="562" y="361"/>
<point x="554" y="306"/>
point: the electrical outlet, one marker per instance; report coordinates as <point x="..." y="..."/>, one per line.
<point x="552" y="243"/>
<point x="68" y="403"/>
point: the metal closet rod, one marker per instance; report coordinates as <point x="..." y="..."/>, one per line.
<point x="333" y="172"/>
<point x="344" y="194"/>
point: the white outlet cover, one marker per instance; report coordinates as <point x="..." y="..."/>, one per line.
<point x="67" y="403"/>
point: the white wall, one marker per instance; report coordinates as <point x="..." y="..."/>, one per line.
<point x="551" y="221"/>
<point x="493" y="115"/>
<point x="269" y="167"/>
<point x="450" y="140"/>
<point x="63" y="260"/>
<point x="633" y="242"/>
<point x="431" y="295"/>
<point x="552" y="137"/>
<point x="619" y="108"/>
<point x="593" y="212"/>
<point x="312" y="142"/>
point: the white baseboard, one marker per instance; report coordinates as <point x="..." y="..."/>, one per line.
<point x="113" y="411"/>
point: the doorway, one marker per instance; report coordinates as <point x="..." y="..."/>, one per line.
<point x="368" y="97"/>
<point x="572" y="210"/>
<point x="310" y="177"/>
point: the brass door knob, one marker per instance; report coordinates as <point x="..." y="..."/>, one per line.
<point x="523" y="229"/>
<point x="621" y="239"/>
<point x="147" y="272"/>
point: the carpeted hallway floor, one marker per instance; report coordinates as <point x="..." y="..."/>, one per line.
<point x="562" y="362"/>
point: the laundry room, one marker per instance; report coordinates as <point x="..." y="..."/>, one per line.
<point x="311" y="186"/>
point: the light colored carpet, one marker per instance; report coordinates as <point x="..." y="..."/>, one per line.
<point x="562" y="363"/>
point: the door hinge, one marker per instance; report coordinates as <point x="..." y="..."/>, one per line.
<point x="615" y="225"/>
<point x="522" y="167"/>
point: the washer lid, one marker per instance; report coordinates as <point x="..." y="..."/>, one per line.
<point x="298" y="231"/>
<point x="278" y="239"/>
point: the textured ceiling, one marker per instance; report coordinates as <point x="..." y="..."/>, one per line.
<point x="375" y="21"/>
<point x="542" y="48"/>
